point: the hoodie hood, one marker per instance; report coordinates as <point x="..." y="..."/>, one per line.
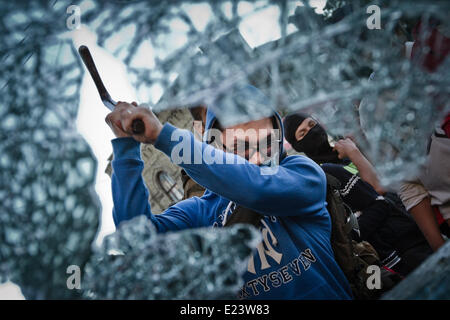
<point x="277" y="121"/>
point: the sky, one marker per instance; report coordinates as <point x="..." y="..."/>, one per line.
<point x="256" y="30"/>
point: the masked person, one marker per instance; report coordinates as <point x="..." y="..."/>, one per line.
<point x="382" y="219"/>
<point x="285" y="201"/>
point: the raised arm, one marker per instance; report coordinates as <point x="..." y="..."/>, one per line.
<point x="130" y="196"/>
<point x="297" y="186"/>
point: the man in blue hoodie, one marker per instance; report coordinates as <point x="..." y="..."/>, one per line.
<point x="295" y="259"/>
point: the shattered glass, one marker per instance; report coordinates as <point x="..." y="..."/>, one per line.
<point x="427" y="281"/>
<point x="49" y="212"/>
<point x="137" y="263"/>
<point x="326" y="65"/>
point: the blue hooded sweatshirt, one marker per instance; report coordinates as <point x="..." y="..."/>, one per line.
<point x="294" y="260"/>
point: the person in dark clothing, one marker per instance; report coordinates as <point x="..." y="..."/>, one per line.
<point x="382" y="219"/>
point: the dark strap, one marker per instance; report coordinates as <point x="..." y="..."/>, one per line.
<point x="244" y="215"/>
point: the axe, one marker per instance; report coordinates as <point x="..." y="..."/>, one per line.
<point x="138" y="126"/>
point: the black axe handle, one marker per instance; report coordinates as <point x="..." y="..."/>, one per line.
<point x="138" y="126"/>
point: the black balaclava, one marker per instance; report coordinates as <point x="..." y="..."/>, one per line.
<point x="314" y="144"/>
